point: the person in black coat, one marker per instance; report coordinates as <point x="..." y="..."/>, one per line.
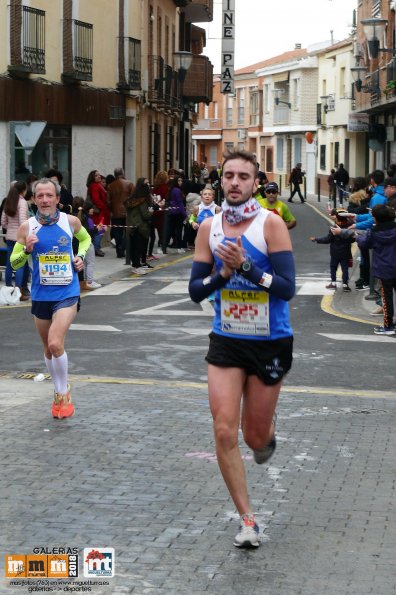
<point x="341" y="179"/>
<point x="295" y="180"/>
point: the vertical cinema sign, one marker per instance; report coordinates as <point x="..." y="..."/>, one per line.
<point x="228" y="47"/>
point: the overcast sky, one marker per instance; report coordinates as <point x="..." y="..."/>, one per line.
<point x="267" y="28"/>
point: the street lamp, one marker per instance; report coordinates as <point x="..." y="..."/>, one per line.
<point x="277" y="100"/>
<point x="324" y="99"/>
<point x="182" y="62"/>
<point x="357" y="71"/>
<point x="374" y="30"/>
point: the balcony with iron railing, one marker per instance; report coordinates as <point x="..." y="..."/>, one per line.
<point x="164" y="85"/>
<point x="78" y="50"/>
<point x="199" y="11"/>
<point x="130" y="75"/>
<point x="198" y="84"/>
<point x="390" y="89"/>
<point x="27" y="39"/>
<point x="374" y="85"/>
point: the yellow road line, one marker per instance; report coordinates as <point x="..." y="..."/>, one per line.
<point x="327" y="306"/>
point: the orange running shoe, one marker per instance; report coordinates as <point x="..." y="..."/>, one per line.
<point x="62" y="406"/>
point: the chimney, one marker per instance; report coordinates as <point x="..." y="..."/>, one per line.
<point x="297" y="46"/>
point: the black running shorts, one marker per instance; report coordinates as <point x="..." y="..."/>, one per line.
<point x="268" y="360"/>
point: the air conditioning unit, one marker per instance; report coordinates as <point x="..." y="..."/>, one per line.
<point x="241" y="133"/>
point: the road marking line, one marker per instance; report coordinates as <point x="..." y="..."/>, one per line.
<point x="314" y="288"/>
<point x="159" y="309"/>
<point x="174" y="288"/>
<point x="94" y="327"/>
<point x="366" y="338"/>
<point x="196" y="331"/>
<point x="116" y="288"/>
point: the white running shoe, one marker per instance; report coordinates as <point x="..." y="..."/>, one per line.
<point x="249" y="533"/>
<point x="93" y="284"/>
<point x="181" y="251"/>
<point x="138" y="271"/>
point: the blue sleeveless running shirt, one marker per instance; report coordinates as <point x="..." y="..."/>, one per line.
<point x="242" y="309"/>
<point x="204" y="213"/>
<point x="53" y="275"/>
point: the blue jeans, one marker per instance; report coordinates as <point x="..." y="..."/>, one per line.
<point x="97" y="240"/>
<point x="8" y="273"/>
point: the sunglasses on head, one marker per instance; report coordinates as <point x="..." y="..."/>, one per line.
<point x="271" y="192"/>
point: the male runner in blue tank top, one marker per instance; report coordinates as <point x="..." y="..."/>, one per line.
<point x="55" y="292"/>
<point x="251" y="343"/>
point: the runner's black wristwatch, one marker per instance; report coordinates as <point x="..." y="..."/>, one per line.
<point x="245" y="267"/>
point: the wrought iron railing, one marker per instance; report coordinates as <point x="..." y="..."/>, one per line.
<point x="33" y="39"/>
<point x="82" y="48"/>
<point x="164" y="86"/>
<point x="134" y="68"/>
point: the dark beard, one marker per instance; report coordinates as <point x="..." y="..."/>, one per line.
<point x="237" y="204"/>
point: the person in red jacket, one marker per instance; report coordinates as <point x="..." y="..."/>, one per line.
<point x="97" y="195"/>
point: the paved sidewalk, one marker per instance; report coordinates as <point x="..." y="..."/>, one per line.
<point x="135" y="470"/>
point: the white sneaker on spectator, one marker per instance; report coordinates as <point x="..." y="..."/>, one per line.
<point x="138" y="271"/>
<point x="93" y="284"/>
<point x="180" y="250"/>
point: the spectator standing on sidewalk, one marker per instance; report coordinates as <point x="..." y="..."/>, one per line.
<point x="382" y="239"/>
<point x="390" y="192"/>
<point x="295" y="180"/>
<point x="331" y="183"/>
<point x="118" y="192"/>
<point x="97" y="195"/>
<point x="341" y="179"/>
<point x="177" y="214"/>
<point x="251" y="344"/>
<point x="365" y="221"/>
<point x="83" y="210"/>
<point x="139" y="214"/>
<point x="15" y="212"/>
<point x="340" y="249"/>
<point x="161" y="189"/>
<point x="55" y="288"/>
<point x="203" y="175"/>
